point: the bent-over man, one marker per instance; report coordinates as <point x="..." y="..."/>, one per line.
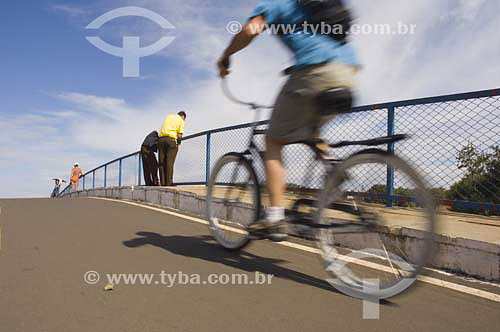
<point x="168" y="146"/>
<point x="149" y="162"/>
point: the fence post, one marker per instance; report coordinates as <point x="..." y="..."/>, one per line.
<point x="139" y="175"/>
<point x="390" y="149"/>
<point x="93" y="180"/>
<point x="84" y="182"/>
<point x="120" y="173"/>
<point x="105" y="176"/>
<point x="207" y="159"/>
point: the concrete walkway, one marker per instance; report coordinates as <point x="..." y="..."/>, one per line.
<point x="456" y="225"/>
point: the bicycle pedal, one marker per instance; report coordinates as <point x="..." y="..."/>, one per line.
<point x="261" y="232"/>
<point x="258" y="235"/>
<point x="256" y="231"/>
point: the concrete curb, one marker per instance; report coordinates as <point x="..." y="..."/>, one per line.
<point x="458" y="255"/>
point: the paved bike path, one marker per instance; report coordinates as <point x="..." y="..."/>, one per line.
<point x="48" y="245"/>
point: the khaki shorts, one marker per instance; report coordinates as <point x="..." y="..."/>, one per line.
<point x="295" y="116"/>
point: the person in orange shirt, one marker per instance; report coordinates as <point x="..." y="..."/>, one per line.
<point x="168" y="146"/>
<point x="76" y="173"/>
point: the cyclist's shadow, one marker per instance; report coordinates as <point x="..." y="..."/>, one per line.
<point x="204" y="247"/>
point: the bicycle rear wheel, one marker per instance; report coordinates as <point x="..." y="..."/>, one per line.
<point x="233" y="201"/>
<point x="382" y="250"/>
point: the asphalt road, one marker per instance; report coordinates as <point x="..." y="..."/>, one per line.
<point x="47" y="246"/>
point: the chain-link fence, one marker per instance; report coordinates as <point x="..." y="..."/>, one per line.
<point x="454" y="143"/>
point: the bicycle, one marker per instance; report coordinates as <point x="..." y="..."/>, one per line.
<point x="333" y="214"/>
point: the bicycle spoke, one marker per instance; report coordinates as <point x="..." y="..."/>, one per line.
<point x="233" y="201"/>
<point x="389" y="259"/>
<point x="378" y="244"/>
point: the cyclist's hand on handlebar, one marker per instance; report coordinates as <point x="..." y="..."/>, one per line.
<point x="223" y="65"/>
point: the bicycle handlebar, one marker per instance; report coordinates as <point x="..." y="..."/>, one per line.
<point x="230" y="96"/>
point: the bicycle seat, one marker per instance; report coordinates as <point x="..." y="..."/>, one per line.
<point x="335" y="101"/>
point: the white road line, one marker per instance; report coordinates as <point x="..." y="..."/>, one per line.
<point x="429" y="280"/>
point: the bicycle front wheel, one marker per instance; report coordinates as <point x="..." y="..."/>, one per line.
<point x="367" y="247"/>
<point x="233" y="201"/>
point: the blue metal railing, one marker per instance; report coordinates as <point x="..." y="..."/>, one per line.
<point x="105" y="167"/>
<point x="421" y="118"/>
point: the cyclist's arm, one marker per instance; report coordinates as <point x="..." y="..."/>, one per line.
<point x="249" y="31"/>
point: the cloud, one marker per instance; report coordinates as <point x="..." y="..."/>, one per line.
<point x="70" y="10"/>
<point x="113" y="108"/>
<point x="466" y="10"/>
<point x="441" y="57"/>
<point x="34" y="148"/>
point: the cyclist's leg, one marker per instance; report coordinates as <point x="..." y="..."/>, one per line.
<point x="296" y="118"/>
<point x="287" y="125"/>
<point x="293" y="113"/>
<point x="328" y="76"/>
<point x="275" y="175"/>
<point x="296" y="115"/>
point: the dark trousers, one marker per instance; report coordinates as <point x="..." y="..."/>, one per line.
<point x="150" y="166"/>
<point x="167" y="149"/>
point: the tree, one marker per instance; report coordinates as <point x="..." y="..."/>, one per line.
<point x="378" y="189"/>
<point x="438" y="194"/>
<point x="481" y="182"/>
<point x="381" y="190"/>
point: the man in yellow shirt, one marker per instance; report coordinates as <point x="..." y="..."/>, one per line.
<point x="168" y="146"/>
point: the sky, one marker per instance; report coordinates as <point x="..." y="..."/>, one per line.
<point x="64" y="100"/>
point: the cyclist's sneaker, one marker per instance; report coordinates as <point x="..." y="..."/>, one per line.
<point x="264" y="229"/>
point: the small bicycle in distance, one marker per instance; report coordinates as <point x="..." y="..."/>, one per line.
<point x="57" y="187"/>
<point x="336" y="216"/>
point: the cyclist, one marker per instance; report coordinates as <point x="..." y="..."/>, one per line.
<point x="57" y="187"/>
<point x="322" y="63"/>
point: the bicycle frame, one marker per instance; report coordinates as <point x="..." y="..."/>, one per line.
<point x="315" y="217"/>
<point x="253" y="152"/>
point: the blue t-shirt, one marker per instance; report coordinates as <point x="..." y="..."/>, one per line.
<point x="309" y="49"/>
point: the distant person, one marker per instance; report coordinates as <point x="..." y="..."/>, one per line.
<point x="76" y="173"/>
<point x="149" y="162"/>
<point x="168" y="146"/>
<point x="57" y="187"/>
